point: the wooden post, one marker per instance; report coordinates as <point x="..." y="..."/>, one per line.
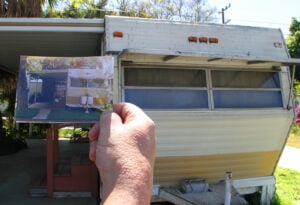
<point x="94" y="180"/>
<point x="55" y="147"/>
<point x="50" y="163"/>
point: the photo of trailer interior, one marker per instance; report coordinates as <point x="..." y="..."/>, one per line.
<point x="220" y="96"/>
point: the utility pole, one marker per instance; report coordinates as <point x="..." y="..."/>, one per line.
<point x="223" y="13"/>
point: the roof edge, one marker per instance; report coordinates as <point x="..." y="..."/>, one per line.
<point x="52" y="24"/>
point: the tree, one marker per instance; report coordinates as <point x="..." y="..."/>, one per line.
<point x="293" y="40"/>
<point x="179" y="10"/>
<point x="79" y="9"/>
<point x="8" y="84"/>
<point x="293" y="44"/>
<point x="23" y="8"/>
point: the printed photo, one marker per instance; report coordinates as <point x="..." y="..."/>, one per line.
<point x="64" y="89"/>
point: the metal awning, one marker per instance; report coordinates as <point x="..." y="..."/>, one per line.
<point x="168" y="56"/>
<point x="47" y="37"/>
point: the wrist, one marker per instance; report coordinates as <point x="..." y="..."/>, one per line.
<point x="133" y="185"/>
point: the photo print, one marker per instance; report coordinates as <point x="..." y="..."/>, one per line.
<point x="64" y="89"/>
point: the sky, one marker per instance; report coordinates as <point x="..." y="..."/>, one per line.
<point x="263" y="13"/>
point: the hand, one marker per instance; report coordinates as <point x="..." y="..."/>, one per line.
<point x="123" y="148"/>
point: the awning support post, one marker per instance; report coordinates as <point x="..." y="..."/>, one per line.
<point x="292" y="86"/>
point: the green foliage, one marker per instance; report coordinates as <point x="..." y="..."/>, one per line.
<point x="287" y="186"/>
<point x="8" y="83"/>
<point x="295" y="129"/>
<point x="293" y="43"/>
<point x="179" y="10"/>
<point x="80" y="9"/>
<point x="65" y="132"/>
<point x="297" y="87"/>
<point x="24" y="8"/>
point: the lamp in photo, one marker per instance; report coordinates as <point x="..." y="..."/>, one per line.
<point x="86" y="101"/>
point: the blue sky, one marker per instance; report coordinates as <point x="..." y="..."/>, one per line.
<point x="264" y="13"/>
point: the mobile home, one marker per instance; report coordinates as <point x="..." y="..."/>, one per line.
<point x="220" y="96"/>
<point x="86" y="87"/>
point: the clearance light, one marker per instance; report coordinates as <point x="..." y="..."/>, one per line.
<point x="203" y="39"/>
<point x="193" y="39"/>
<point x="213" y="40"/>
<point x="118" y="34"/>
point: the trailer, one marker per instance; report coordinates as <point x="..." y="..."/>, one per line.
<point x="86" y="87"/>
<point x="220" y="95"/>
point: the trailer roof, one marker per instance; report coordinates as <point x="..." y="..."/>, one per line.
<point x="47" y="37"/>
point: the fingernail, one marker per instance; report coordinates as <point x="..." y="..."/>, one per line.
<point x="92" y="156"/>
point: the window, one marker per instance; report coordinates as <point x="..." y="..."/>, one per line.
<point x="172" y="88"/>
<point x="246" y="89"/>
<point x="78" y="82"/>
<point x="161" y="88"/>
<point x="87" y="83"/>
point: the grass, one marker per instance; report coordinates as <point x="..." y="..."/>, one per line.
<point x="65" y="115"/>
<point x="294" y="141"/>
<point x="287" y="180"/>
<point x="28" y="113"/>
<point x="66" y="132"/>
<point x="287" y="186"/>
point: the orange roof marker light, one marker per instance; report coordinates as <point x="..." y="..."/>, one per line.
<point x="118" y="34"/>
<point x="213" y="40"/>
<point x="193" y="39"/>
<point x="203" y="39"/>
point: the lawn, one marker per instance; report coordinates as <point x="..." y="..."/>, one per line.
<point x="66" y="115"/>
<point x="287" y="180"/>
<point x="287" y="186"/>
<point x="294" y="140"/>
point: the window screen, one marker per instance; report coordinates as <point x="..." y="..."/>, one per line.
<point x="78" y="82"/>
<point x="161" y="77"/>
<point x="161" y="88"/>
<point x="87" y="83"/>
<point x="246" y="89"/>
<point x="245" y="79"/>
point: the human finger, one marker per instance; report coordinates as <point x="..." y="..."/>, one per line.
<point x="109" y="120"/>
<point x="129" y="112"/>
<point x="92" y="151"/>
<point x="94" y="132"/>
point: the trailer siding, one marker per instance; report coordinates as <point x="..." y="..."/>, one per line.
<point x="206" y="146"/>
<point x="173" y="170"/>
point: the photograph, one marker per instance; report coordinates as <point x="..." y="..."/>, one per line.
<point x="64" y="89"/>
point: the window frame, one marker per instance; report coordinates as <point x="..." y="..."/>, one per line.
<point x="208" y="88"/>
<point x="212" y="89"/>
